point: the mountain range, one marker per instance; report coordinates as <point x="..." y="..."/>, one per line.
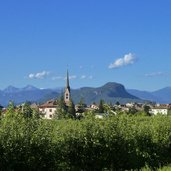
<point x="28" y="93"/>
<point x="159" y="96"/>
<point x="110" y="92"/>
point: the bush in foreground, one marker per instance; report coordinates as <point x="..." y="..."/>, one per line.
<point x="113" y="143"/>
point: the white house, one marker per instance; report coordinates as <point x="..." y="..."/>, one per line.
<point x="129" y="104"/>
<point x="48" y="109"/>
<point x="159" y="110"/>
<point x="94" y="106"/>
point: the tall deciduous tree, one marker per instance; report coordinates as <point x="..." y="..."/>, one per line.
<point x="26" y="110"/>
<point x="10" y="110"/>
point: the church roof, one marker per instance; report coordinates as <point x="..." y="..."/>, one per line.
<point x="49" y="104"/>
<point x="67" y="81"/>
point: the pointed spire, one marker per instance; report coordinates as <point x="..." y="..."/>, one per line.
<point x="67" y="81"/>
<point x="67" y="90"/>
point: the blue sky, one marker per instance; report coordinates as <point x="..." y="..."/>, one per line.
<point x="125" y="41"/>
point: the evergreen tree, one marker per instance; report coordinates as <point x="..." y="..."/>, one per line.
<point x="101" y="106"/>
<point x="146" y="109"/>
<point x="61" y="111"/>
<point x="81" y="106"/>
<point x="71" y="109"/>
<point x="81" y="103"/>
<point x="0" y="112"/>
<point x="117" y="103"/>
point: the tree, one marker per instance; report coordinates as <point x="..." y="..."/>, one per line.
<point x="81" y="102"/>
<point x="26" y="110"/>
<point x="71" y="109"/>
<point x="81" y="106"/>
<point x="61" y="111"/>
<point x="146" y="109"/>
<point x="35" y="113"/>
<point x="101" y="106"/>
<point x="10" y="109"/>
<point x="133" y="110"/>
<point x="117" y="103"/>
<point x="0" y="112"/>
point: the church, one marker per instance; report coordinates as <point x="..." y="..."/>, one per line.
<point x="67" y="93"/>
<point x="48" y="109"/>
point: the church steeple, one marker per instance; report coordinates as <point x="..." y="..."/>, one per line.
<point x="67" y="81"/>
<point x="67" y="95"/>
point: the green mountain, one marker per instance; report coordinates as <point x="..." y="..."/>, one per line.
<point x="110" y="92"/>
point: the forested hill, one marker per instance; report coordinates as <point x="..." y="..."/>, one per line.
<point x="110" y="92"/>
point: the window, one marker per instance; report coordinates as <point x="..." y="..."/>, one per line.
<point x="50" y="110"/>
<point x="67" y="96"/>
<point x="50" y="116"/>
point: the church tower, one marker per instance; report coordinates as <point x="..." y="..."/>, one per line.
<point x="67" y="94"/>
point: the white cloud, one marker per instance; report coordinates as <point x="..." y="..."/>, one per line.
<point x="39" y="75"/>
<point x="83" y="77"/>
<point x="56" y="78"/>
<point x="72" y="77"/>
<point x="126" y="60"/>
<point x="90" y="77"/>
<point x="155" y="74"/>
<point x="31" y="76"/>
<point x="86" y="77"/>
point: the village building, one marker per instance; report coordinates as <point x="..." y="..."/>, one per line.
<point x="49" y="108"/>
<point x="163" y="110"/>
<point x="94" y="106"/>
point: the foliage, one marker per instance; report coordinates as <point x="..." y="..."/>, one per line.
<point x="147" y="109"/>
<point x="61" y="111"/>
<point x="133" y="110"/>
<point x="26" y="109"/>
<point x="116" y="142"/>
<point x="101" y="106"/>
<point x="117" y="103"/>
<point x="0" y="112"/>
<point x="81" y="102"/>
<point x="71" y="109"/>
<point x="169" y="112"/>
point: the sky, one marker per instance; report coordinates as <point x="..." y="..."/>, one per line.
<point x="98" y="41"/>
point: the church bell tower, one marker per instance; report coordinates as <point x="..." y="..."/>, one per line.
<point x="67" y="94"/>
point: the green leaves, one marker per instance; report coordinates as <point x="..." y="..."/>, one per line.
<point x="122" y="142"/>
